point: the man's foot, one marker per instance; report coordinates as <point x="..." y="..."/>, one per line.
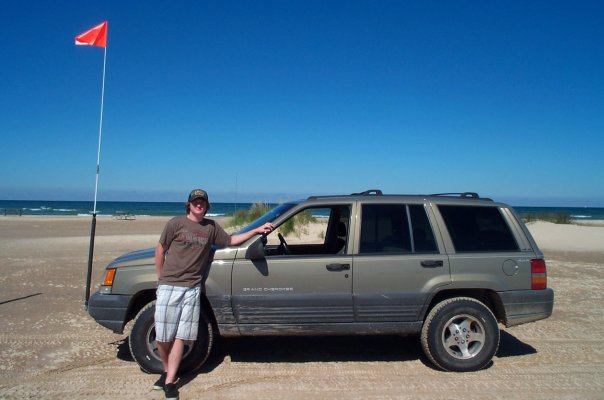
<point x="171" y="391"/>
<point x="160" y="383"/>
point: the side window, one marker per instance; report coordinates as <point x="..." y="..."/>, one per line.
<point x="477" y="229"/>
<point x="385" y="229"/>
<point x="423" y="236"/>
<point x="396" y="228"/>
<point x="312" y="231"/>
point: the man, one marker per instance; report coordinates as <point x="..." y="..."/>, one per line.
<point x="181" y="259"/>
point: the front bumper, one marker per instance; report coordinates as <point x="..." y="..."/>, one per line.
<point x="523" y="306"/>
<point x="109" y="310"/>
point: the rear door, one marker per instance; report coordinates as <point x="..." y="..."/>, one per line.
<point x="397" y="263"/>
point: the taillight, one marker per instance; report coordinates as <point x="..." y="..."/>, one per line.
<point x="109" y="276"/>
<point x="538" y="274"/>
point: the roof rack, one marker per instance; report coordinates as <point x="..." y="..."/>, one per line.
<point x="375" y="192"/>
<point x="463" y="195"/>
<point x="378" y="192"/>
<point x="471" y="195"/>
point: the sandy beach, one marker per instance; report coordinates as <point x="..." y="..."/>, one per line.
<point x="51" y="348"/>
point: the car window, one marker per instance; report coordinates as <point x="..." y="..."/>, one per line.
<point x="385" y="229"/>
<point x="477" y="229"/>
<point x="396" y="228"/>
<point x="268" y="217"/>
<point x="423" y="235"/>
<point x="313" y="230"/>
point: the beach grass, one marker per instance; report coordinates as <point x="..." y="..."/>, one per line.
<point x="556" y="218"/>
<point x="244" y="217"/>
<point x="293" y="226"/>
<point x="296" y="224"/>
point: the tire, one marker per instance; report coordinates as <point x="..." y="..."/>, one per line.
<point x="144" y="349"/>
<point x="460" y="334"/>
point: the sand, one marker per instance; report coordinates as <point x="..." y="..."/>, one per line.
<point x="51" y="349"/>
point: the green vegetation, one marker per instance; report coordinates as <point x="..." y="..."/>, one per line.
<point x="244" y="217"/>
<point x="556" y="218"/>
<point x="295" y="225"/>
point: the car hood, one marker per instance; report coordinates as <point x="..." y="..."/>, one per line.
<point x="135" y="258"/>
<point x="147" y="256"/>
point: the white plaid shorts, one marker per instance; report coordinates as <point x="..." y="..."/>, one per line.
<point x="177" y="313"/>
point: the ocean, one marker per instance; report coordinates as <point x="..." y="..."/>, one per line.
<point x="109" y="208"/>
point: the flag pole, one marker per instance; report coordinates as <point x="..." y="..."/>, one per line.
<point x="96" y="186"/>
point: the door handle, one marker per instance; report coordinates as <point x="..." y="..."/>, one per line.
<point x="338" y="267"/>
<point x="432" y="263"/>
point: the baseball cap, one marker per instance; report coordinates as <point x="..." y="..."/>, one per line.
<point x="199" y="194"/>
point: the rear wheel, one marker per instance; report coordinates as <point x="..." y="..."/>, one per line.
<point x="460" y="334"/>
<point x="144" y="348"/>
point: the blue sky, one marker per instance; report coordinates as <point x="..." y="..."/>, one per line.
<point x="272" y="100"/>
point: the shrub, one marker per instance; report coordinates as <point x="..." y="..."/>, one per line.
<point x="561" y="218"/>
<point x="297" y="224"/>
<point x="244" y="217"/>
<point x="556" y="218"/>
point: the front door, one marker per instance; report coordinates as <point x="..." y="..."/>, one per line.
<point x="306" y="277"/>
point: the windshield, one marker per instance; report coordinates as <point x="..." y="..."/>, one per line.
<point x="268" y="217"/>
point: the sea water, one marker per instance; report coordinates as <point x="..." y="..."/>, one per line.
<point x="109" y="208"/>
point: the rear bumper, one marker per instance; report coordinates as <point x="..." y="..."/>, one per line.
<point x="522" y="306"/>
<point x="109" y="310"/>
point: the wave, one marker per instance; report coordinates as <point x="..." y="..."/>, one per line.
<point x="47" y="209"/>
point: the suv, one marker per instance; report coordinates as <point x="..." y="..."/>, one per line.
<point x="447" y="267"/>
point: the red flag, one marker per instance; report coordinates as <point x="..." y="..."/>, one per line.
<point x="96" y="36"/>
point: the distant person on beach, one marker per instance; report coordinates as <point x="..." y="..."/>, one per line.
<point x="182" y="259"/>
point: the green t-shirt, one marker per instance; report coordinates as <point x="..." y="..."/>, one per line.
<point x="188" y="245"/>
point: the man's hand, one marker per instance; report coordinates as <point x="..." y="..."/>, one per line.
<point x="261" y="230"/>
<point x="264" y="229"/>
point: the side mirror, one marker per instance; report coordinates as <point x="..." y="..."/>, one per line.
<point x="256" y="250"/>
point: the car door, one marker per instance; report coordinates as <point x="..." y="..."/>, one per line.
<point x="397" y="264"/>
<point x="311" y="285"/>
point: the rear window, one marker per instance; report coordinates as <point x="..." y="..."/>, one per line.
<point x="477" y="229"/>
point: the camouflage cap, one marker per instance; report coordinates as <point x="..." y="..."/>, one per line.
<point x="199" y="194"/>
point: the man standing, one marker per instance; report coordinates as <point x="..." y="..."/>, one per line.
<point x="181" y="259"/>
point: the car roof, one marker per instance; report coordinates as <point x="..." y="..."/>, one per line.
<point x="377" y="196"/>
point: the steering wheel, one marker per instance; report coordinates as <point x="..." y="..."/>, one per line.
<point x="284" y="245"/>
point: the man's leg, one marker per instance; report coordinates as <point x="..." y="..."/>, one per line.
<point x="164" y="349"/>
<point x="171" y="355"/>
<point x="187" y="327"/>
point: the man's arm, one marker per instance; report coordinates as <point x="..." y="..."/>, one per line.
<point x="242" y="237"/>
<point x="160" y="257"/>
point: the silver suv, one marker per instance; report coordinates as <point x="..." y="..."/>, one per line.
<point x="446" y="267"/>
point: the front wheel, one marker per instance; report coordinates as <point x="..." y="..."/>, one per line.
<point x="460" y="334"/>
<point x="144" y="348"/>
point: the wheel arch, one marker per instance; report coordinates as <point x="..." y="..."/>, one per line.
<point x="138" y="302"/>
<point x="488" y="297"/>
